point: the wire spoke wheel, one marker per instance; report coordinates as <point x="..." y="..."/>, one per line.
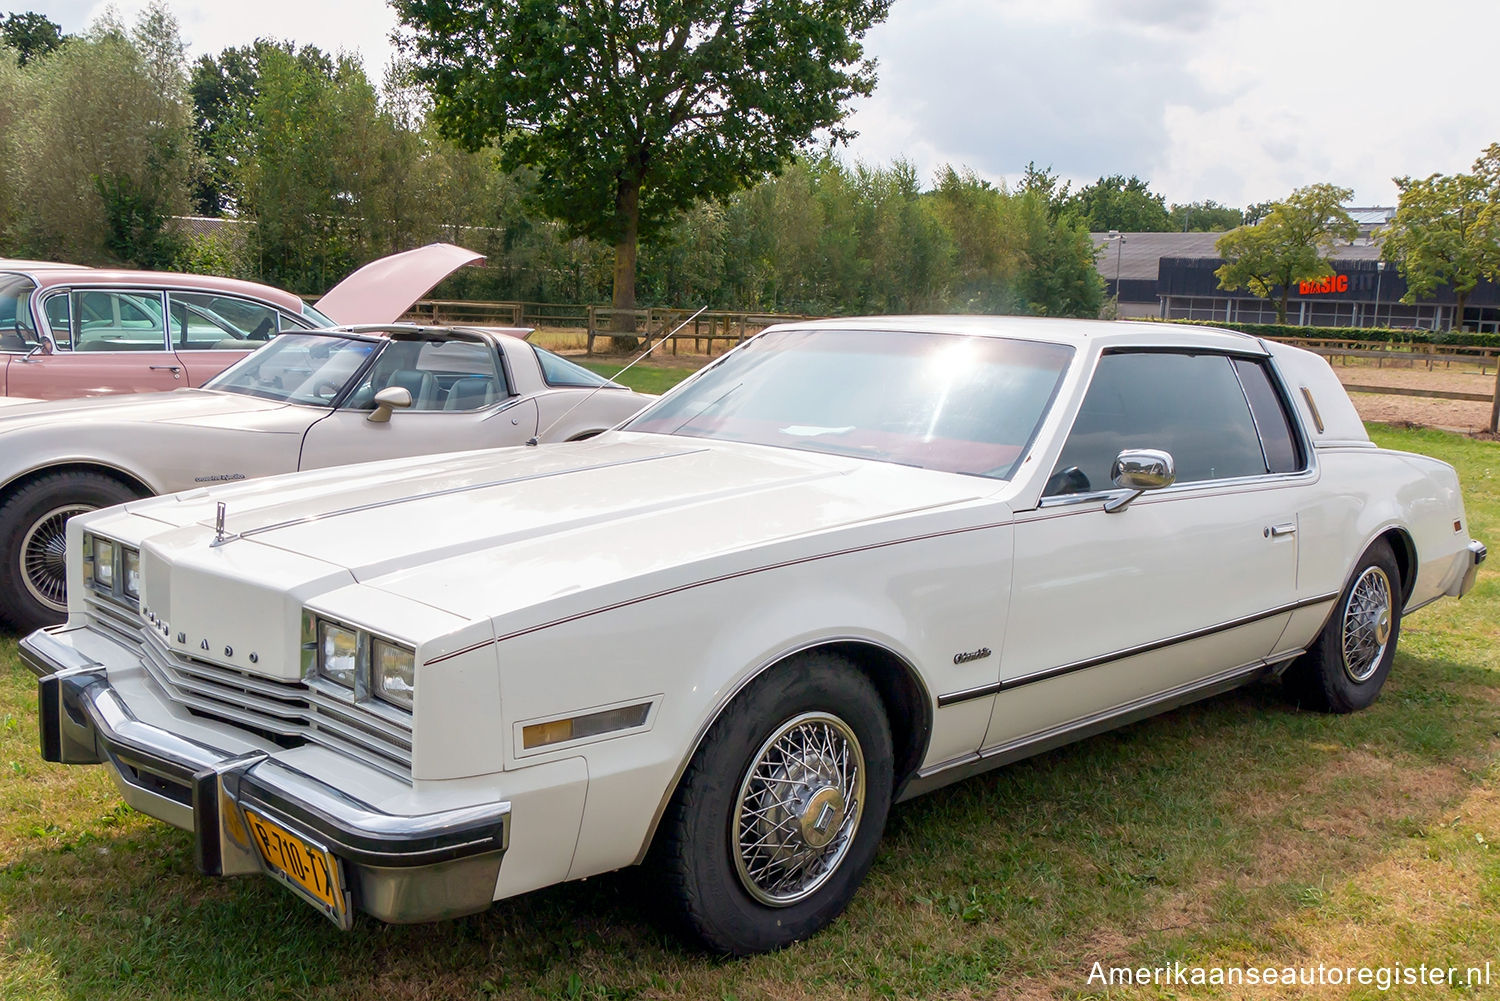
<point x="1366" y="624"/>
<point x="798" y="809"/>
<point x="44" y="556"/>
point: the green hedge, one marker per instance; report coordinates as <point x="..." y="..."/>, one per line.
<point x="1374" y="335"/>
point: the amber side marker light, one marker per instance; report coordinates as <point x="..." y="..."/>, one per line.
<point x="588" y="725"/>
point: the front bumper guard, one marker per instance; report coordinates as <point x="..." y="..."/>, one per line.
<point x="403" y="869"/>
<point x="1476" y="552"/>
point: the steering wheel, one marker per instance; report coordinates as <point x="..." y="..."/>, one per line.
<point x="1067" y="481"/>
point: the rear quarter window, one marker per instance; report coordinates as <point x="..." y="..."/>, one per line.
<point x="1283" y="451"/>
<point x="561" y="373"/>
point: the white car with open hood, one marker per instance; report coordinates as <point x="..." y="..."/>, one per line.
<point x="847" y="563"/>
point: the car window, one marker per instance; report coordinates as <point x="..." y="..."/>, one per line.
<point x="1282" y="451"/>
<point x="117" y="320"/>
<point x="205" y="320"/>
<point x="452" y="375"/>
<point x="1189" y="405"/>
<point x="59" y="318"/>
<point x="558" y="371"/>
<point x="313" y="317"/>
<point x="17" y="332"/>
<point x="311" y="369"/>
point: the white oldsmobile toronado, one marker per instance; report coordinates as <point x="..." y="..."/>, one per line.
<point x="849" y="562"/>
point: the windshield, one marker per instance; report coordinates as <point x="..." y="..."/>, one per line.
<point x="314" y="317"/>
<point x="956" y="403"/>
<point x="298" y="368"/>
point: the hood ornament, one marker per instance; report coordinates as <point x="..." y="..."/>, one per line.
<point x="220" y="535"/>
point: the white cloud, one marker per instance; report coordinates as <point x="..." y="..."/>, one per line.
<point x="209" y="26"/>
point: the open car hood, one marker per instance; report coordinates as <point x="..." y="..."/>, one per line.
<point x="381" y="291"/>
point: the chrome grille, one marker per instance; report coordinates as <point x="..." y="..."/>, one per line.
<point x="288" y="712"/>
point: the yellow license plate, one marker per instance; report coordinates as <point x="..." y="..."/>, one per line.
<point x="303" y="865"/>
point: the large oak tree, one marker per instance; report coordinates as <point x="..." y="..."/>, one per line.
<point x="633" y="110"/>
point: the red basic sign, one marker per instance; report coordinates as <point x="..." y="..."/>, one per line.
<point x="1324" y="286"/>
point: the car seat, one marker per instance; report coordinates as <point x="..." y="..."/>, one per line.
<point x="470" y="393"/>
<point x="421" y="385"/>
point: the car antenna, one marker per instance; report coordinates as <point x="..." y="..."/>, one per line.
<point x="536" y="439"/>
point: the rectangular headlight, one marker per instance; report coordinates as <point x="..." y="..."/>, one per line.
<point x="104" y="564"/>
<point x="367" y="665"/>
<point x="130" y="572"/>
<point x="338" y="653"/>
<point x="393" y="671"/>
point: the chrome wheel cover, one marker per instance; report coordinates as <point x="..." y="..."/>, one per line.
<point x="798" y="809"/>
<point x="1368" y="617"/>
<point x="44" y="561"/>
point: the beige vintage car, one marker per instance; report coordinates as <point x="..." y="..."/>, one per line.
<point x="308" y="399"/>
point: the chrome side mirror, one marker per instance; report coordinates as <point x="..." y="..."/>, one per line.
<point x="1139" y="470"/>
<point x="44" y="347"/>
<point x="387" y="400"/>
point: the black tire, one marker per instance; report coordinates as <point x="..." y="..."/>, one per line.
<point x="820" y="701"/>
<point x="1336" y="676"/>
<point x="32" y="520"/>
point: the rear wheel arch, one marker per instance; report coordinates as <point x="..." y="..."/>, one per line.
<point x="1404" y="549"/>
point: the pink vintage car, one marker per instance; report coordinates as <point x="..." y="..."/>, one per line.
<point x="70" y="331"/>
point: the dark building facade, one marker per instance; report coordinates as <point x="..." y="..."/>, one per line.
<point x="1171" y="275"/>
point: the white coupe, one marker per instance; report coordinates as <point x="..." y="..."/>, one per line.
<point x="849" y="562"/>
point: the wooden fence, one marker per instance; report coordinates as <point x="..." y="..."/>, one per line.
<point x="731" y="328"/>
<point x="1408" y="356"/>
<point x="703" y="329"/>
<point x="707" y="327"/>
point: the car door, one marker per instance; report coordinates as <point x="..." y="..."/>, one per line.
<point x="210" y="331"/>
<point x="461" y="400"/>
<point x="107" y="340"/>
<point x="1183" y="588"/>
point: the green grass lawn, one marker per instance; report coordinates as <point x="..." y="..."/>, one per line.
<point x="1233" y="832"/>
<point x="641" y="378"/>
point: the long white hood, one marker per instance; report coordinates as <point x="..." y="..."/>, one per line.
<point x="177" y="406"/>
<point x="480" y="534"/>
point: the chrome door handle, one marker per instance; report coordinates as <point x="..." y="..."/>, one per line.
<point x="1276" y="531"/>
<point x="176" y="370"/>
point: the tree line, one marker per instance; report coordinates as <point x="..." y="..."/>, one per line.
<point x="108" y="136"/>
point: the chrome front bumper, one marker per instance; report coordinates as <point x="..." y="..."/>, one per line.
<point x="400" y="869"/>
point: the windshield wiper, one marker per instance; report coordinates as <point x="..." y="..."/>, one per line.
<point x="707" y="407"/>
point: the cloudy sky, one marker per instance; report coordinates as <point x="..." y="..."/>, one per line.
<point x="1235" y="100"/>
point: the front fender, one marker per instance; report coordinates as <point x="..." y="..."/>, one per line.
<point x="690" y="650"/>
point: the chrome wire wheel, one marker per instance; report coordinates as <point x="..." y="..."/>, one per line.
<point x="1367" y="624"/>
<point x="44" y="562"/>
<point x="798" y="809"/>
